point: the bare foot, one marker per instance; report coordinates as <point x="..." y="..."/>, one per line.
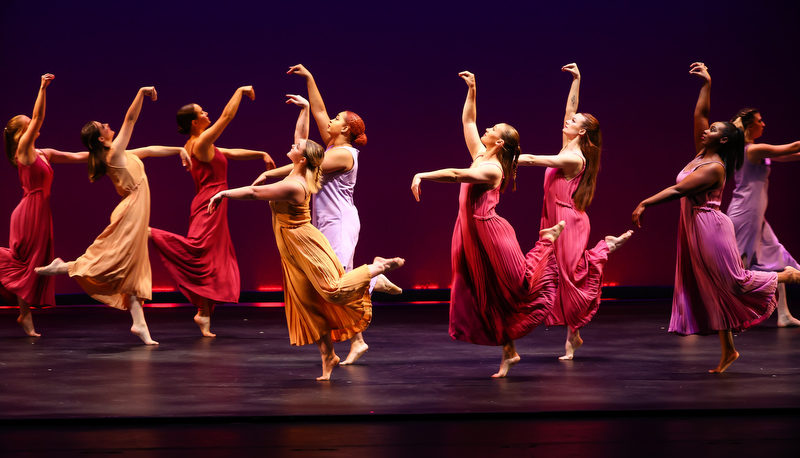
<point x="143" y="334"/>
<point x="327" y="367"/>
<point x="26" y="321"/>
<point x="726" y="361"/>
<point x="788" y="321"/>
<point x="789" y="275"/>
<point x="387" y="265"/>
<point x="573" y="343"/>
<point x="356" y="350"/>
<point x="506" y="364"/>
<point x="383" y="285"/>
<point x="58" y="266"/>
<point x="616" y="242"/>
<point x="552" y="233"/>
<point x="205" y="325"/>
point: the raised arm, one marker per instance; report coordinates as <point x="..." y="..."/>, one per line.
<point x="703" y="107"/>
<point x="780" y="153"/>
<point x="242" y="154"/>
<point x="572" y="98"/>
<point x="124" y="136"/>
<point x="481" y="174"/>
<point x="26" y="153"/>
<point x="702" y="178"/>
<point x="303" y="120"/>
<point x="163" y="151"/>
<point x="559" y="161"/>
<point x="202" y="146"/>
<point x="469" y="117"/>
<point x="317" y="106"/>
<point x="283" y="191"/>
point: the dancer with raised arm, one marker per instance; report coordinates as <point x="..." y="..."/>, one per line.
<point x="323" y="303"/>
<point x="204" y="262"/>
<point x="31" y="236"/>
<point x="115" y="269"/>
<point x="758" y="245"/>
<point x="713" y="293"/>
<point x="569" y="184"/>
<point x="333" y="209"/>
<point x="498" y="293"/>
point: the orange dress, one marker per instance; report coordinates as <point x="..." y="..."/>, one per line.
<point x="116" y="266"/>
<point x="320" y="297"/>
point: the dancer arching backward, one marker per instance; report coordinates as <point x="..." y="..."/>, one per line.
<point x="115" y="269"/>
<point x="758" y="245"/>
<point x="713" y="293"/>
<point x="204" y="262"/>
<point x="498" y="294"/>
<point x="333" y="209"/>
<point x="323" y="303"/>
<point x="31" y="237"/>
<point x="569" y="184"/>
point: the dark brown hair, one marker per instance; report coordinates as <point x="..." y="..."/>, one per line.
<point x="90" y="136"/>
<point x="590" y="144"/>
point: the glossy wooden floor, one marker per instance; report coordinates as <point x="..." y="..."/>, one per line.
<point x="88" y="386"/>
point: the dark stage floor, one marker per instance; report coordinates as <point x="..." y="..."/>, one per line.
<point x="89" y="386"/>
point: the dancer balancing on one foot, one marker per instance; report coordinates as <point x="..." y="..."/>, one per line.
<point x="31" y="236"/>
<point x="569" y="185"/>
<point x="713" y="293"/>
<point x="324" y="304"/>
<point x="333" y="209"/>
<point x="115" y="269"/>
<point x="499" y="294"/>
<point x="758" y="245"/>
<point x="204" y="262"/>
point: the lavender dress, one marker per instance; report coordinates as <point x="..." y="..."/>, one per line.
<point x="712" y="290"/>
<point x="757" y="243"/>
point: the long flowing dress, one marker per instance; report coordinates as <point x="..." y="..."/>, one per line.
<point x="754" y="236"/>
<point x="320" y="297"/>
<point x="580" y="271"/>
<point x="116" y="266"/>
<point x="30" y="241"/>
<point x="204" y="262"/>
<point x="712" y="290"/>
<point x="498" y="294"/>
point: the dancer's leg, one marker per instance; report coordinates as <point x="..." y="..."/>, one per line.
<point x="139" y="326"/>
<point x="357" y="348"/>
<point x="57" y="267"/>
<point x="574" y="342"/>
<point x="729" y="354"/>
<point x="382" y="265"/>
<point x="510" y="357"/>
<point x="552" y="233"/>
<point x="616" y="242"/>
<point x="383" y="285"/>
<point x="785" y="318"/>
<point x="329" y="358"/>
<point x="203" y="318"/>
<point x="25" y="318"/>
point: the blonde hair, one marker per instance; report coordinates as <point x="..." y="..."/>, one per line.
<point x="315" y="154"/>
<point x="11" y="136"/>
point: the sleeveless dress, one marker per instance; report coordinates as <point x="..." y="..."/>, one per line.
<point x="754" y="236"/>
<point x="30" y="241"/>
<point x="320" y="297"/>
<point x="116" y="266"/>
<point x="712" y="290"/>
<point x="580" y="271"/>
<point x="204" y="262"/>
<point x="498" y="294"/>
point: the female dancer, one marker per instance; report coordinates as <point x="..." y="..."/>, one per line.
<point x="758" y="245"/>
<point x="333" y="209"/>
<point x="713" y="293"/>
<point x="569" y="184"/>
<point x="498" y="293"/>
<point x="115" y="269"/>
<point x="204" y="262"/>
<point x="323" y="303"/>
<point x="31" y="237"/>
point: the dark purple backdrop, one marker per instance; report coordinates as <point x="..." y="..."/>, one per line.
<point x="396" y="64"/>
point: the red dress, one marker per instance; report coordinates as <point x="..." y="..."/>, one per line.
<point x="30" y="239"/>
<point x="580" y="271"/>
<point x="204" y="262"/>
<point x="498" y="294"/>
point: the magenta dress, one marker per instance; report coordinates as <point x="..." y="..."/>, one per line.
<point x="204" y="262"/>
<point x="498" y="294"/>
<point x="712" y="290"/>
<point x="580" y="271"/>
<point x="30" y="239"/>
<point x="754" y="236"/>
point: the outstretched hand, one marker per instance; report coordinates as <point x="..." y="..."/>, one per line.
<point x="150" y="91"/>
<point x="297" y="100"/>
<point x="415" y="189"/>
<point x="262" y="179"/>
<point x="636" y="217"/>
<point x="249" y="92"/>
<point x="469" y="78"/>
<point x="46" y="78"/>
<point x="299" y="70"/>
<point x="215" y="201"/>
<point x="700" y="69"/>
<point x="186" y="159"/>
<point x="269" y="162"/>
<point x="572" y="68"/>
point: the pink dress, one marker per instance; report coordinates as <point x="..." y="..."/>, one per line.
<point x="30" y="239"/>
<point x="204" y="262"/>
<point x="498" y="294"/>
<point x="712" y="290"/>
<point x="580" y="271"/>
